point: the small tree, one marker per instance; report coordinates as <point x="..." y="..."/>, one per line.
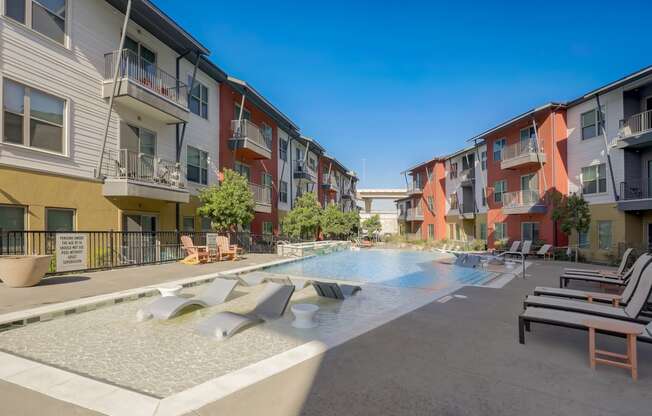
<point x="228" y="205"/>
<point x="304" y="219"/>
<point x="372" y="224"/>
<point x="572" y="213"/>
<point x="352" y="219"/>
<point x="333" y="222"/>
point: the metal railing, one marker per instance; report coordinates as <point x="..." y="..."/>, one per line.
<point x="519" y="148"/>
<point x="636" y="124"/>
<point x="262" y="194"/>
<point x="635" y="189"/>
<point x="413" y="236"/>
<point x="518" y="199"/>
<point x="144" y="168"/>
<point x="467" y="208"/>
<point x="114" y="249"/>
<point x="146" y="74"/>
<point x="414" y="187"/>
<point x="245" y="129"/>
<point x="304" y="167"/>
<point x="414" y="213"/>
<point x="467" y="175"/>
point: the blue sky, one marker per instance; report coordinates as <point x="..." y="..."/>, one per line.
<point x="397" y="83"/>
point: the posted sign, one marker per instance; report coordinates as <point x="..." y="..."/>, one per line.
<point x="72" y="252"/>
<point x="211" y="239"/>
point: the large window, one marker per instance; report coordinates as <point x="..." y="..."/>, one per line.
<point x="583" y="240"/>
<point x="59" y="219"/>
<point x="206" y="224"/>
<point x="483" y="160"/>
<point x="528" y="138"/>
<point x="32" y="118"/>
<point x="243" y="170"/>
<point x="268" y="228"/>
<point x="500" y="187"/>
<point x="594" y="179"/>
<point x="499" y="145"/>
<point x="197" y="166"/>
<point x="198" y="103"/>
<point x="266" y="179"/>
<point x="188" y="224"/>
<point x="529" y="231"/>
<point x="48" y="17"/>
<point x="283" y="150"/>
<point x="266" y="131"/>
<point x="454" y="201"/>
<point x="431" y="203"/>
<point x="431" y="231"/>
<point x="453" y="172"/>
<point x="484" y="197"/>
<point x="604" y="235"/>
<point x="483" y="231"/>
<point x="12" y="218"/>
<point x="500" y="231"/>
<point x="589" y="124"/>
<point x="283" y="192"/>
<point x="246" y="115"/>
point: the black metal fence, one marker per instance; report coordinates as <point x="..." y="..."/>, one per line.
<point x="112" y="249"/>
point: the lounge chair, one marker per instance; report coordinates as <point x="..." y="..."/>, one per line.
<point x="168" y="307"/>
<point x="613" y="279"/>
<point x="271" y="304"/>
<point x="604" y="273"/>
<point x="334" y="290"/>
<point x="544" y="251"/>
<point x="514" y="247"/>
<point x="225" y="249"/>
<point x="468" y="260"/>
<point x="600" y="297"/>
<point x="631" y="312"/>
<point x="200" y="254"/>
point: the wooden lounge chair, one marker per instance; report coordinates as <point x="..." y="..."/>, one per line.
<point x="194" y="253"/>
<point x="225" y="249"/>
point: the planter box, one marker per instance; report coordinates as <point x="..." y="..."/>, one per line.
<point x="23" y="271"/>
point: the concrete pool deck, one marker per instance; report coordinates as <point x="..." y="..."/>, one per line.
<point x="460" y="357"/>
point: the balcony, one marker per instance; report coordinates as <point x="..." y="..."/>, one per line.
<point x="467" y="211"/>
<point x="411" y="214"/>
<point x="413" y="236"/>
<point x="635" y="195"/>
<point x="522" y="154"/>
<point x="635" y="131"/>
<point x="467" y="176"/>
<point x="145" y="88"/>
<point x="523" y="202"/>
<point x="248" y="140"/>
<point x="414" y="188"/>
<point x="262" y="197"/>
<point x="329" y="184"/>
<point x="303" y="170"/>
<point x="133" y="174"/>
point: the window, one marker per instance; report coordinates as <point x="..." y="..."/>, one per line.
<point x="530" y="231"/>
<point x="431" y="231"/>
<point x="48" y="17"/>
<point x="246" y="115"/>
<point x="583" y="240"/>
<point x="197" y="166"/>
<point x="188" y="224"/>
<point x="500" y="231"/>
<point x="454" y="201"/>
<point x="499" y="145"/>
<point x="198" y="103"/>
<point x="500" y="187"/>
<point x="283" y="150"/>
<point x="528" y="139"/>
<point x="43" y="114"/>
<point x="429" y="172"/>
<point x="483" y="231"/>
<point x="57" y="219"/>
<point x="206" y="224"/>
<point x="458" y="233"/>
<point x="431" y="203"/>
<point x="268" y="228"/>
<point x="484" y="197"/>
<point x="243" y="170"/>
<point x="594" y="179"/>
<point x="141" y="141"/>
<point x="451" y="228"/>
<point x="283" y="192"/>
<point x="312" y="163"/>
<point x="453" y="172"/>
<point x="483" y="160"/>
<point x="604" y="235"/>
<point x="12" y="218"/>
<point x="266" y="179"/>
<point x="266" y="131"/>
<point x="589" y="124"/>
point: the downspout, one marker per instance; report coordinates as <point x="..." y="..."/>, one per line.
<point x="177" y="206"/>
<point x="116" y="70"/>
<point x="554" y="182"/>
<point x="536" y="140"/>
<point x="292" y="138"/>
<point x="192" y="83"/>
<point x="601" y="125"/>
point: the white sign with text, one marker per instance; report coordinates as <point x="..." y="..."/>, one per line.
<point x="72" y="252"/>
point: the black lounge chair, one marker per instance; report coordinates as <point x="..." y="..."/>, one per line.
<point x="334" y="291"/>
<point x="604" y="273"/>
<point x="271" y="304"/>
<point x="622" y="299"/>
<point x="631" y="312"/>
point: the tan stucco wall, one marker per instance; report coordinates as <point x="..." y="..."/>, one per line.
<point x="467" y="228"/>
<point x="606" y="212"/>
<point x="480" y="219"/>
<point x="37" y="191"/>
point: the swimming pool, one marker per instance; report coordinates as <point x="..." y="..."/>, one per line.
<point x="398" y="268"/>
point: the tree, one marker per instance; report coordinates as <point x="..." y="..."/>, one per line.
<point x="353" y="221"/>
<point x="333" y="222"/>
<point x="304" y="219"/>
<point x="572" y="212"/>
<point x="372" y="224"/>
<point x="228" y="205"/>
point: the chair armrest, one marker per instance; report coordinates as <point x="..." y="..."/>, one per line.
<point x="615" y="299"/>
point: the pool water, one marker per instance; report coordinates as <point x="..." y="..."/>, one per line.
<point x="399" y="268"/>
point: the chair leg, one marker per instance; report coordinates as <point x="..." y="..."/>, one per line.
<point x="521" y="330"/>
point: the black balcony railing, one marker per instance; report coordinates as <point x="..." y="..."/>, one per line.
<point x="635" y="189"/>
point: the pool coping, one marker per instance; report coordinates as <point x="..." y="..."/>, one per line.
<point x="115" y="400"/>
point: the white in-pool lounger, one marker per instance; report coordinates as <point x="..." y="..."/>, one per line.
<point x="271" y="304"/>
<point x="170" y="306"/>
<point x="334" y="291"/>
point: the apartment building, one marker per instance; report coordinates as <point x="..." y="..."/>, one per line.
<point x="252" y="125"/>
<point x="610" y="164"/>
<point x="422" y="213"/>
<point x="337" y="185"/>
<point x="304" y="156"/>
<point x="57" y="63"/>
